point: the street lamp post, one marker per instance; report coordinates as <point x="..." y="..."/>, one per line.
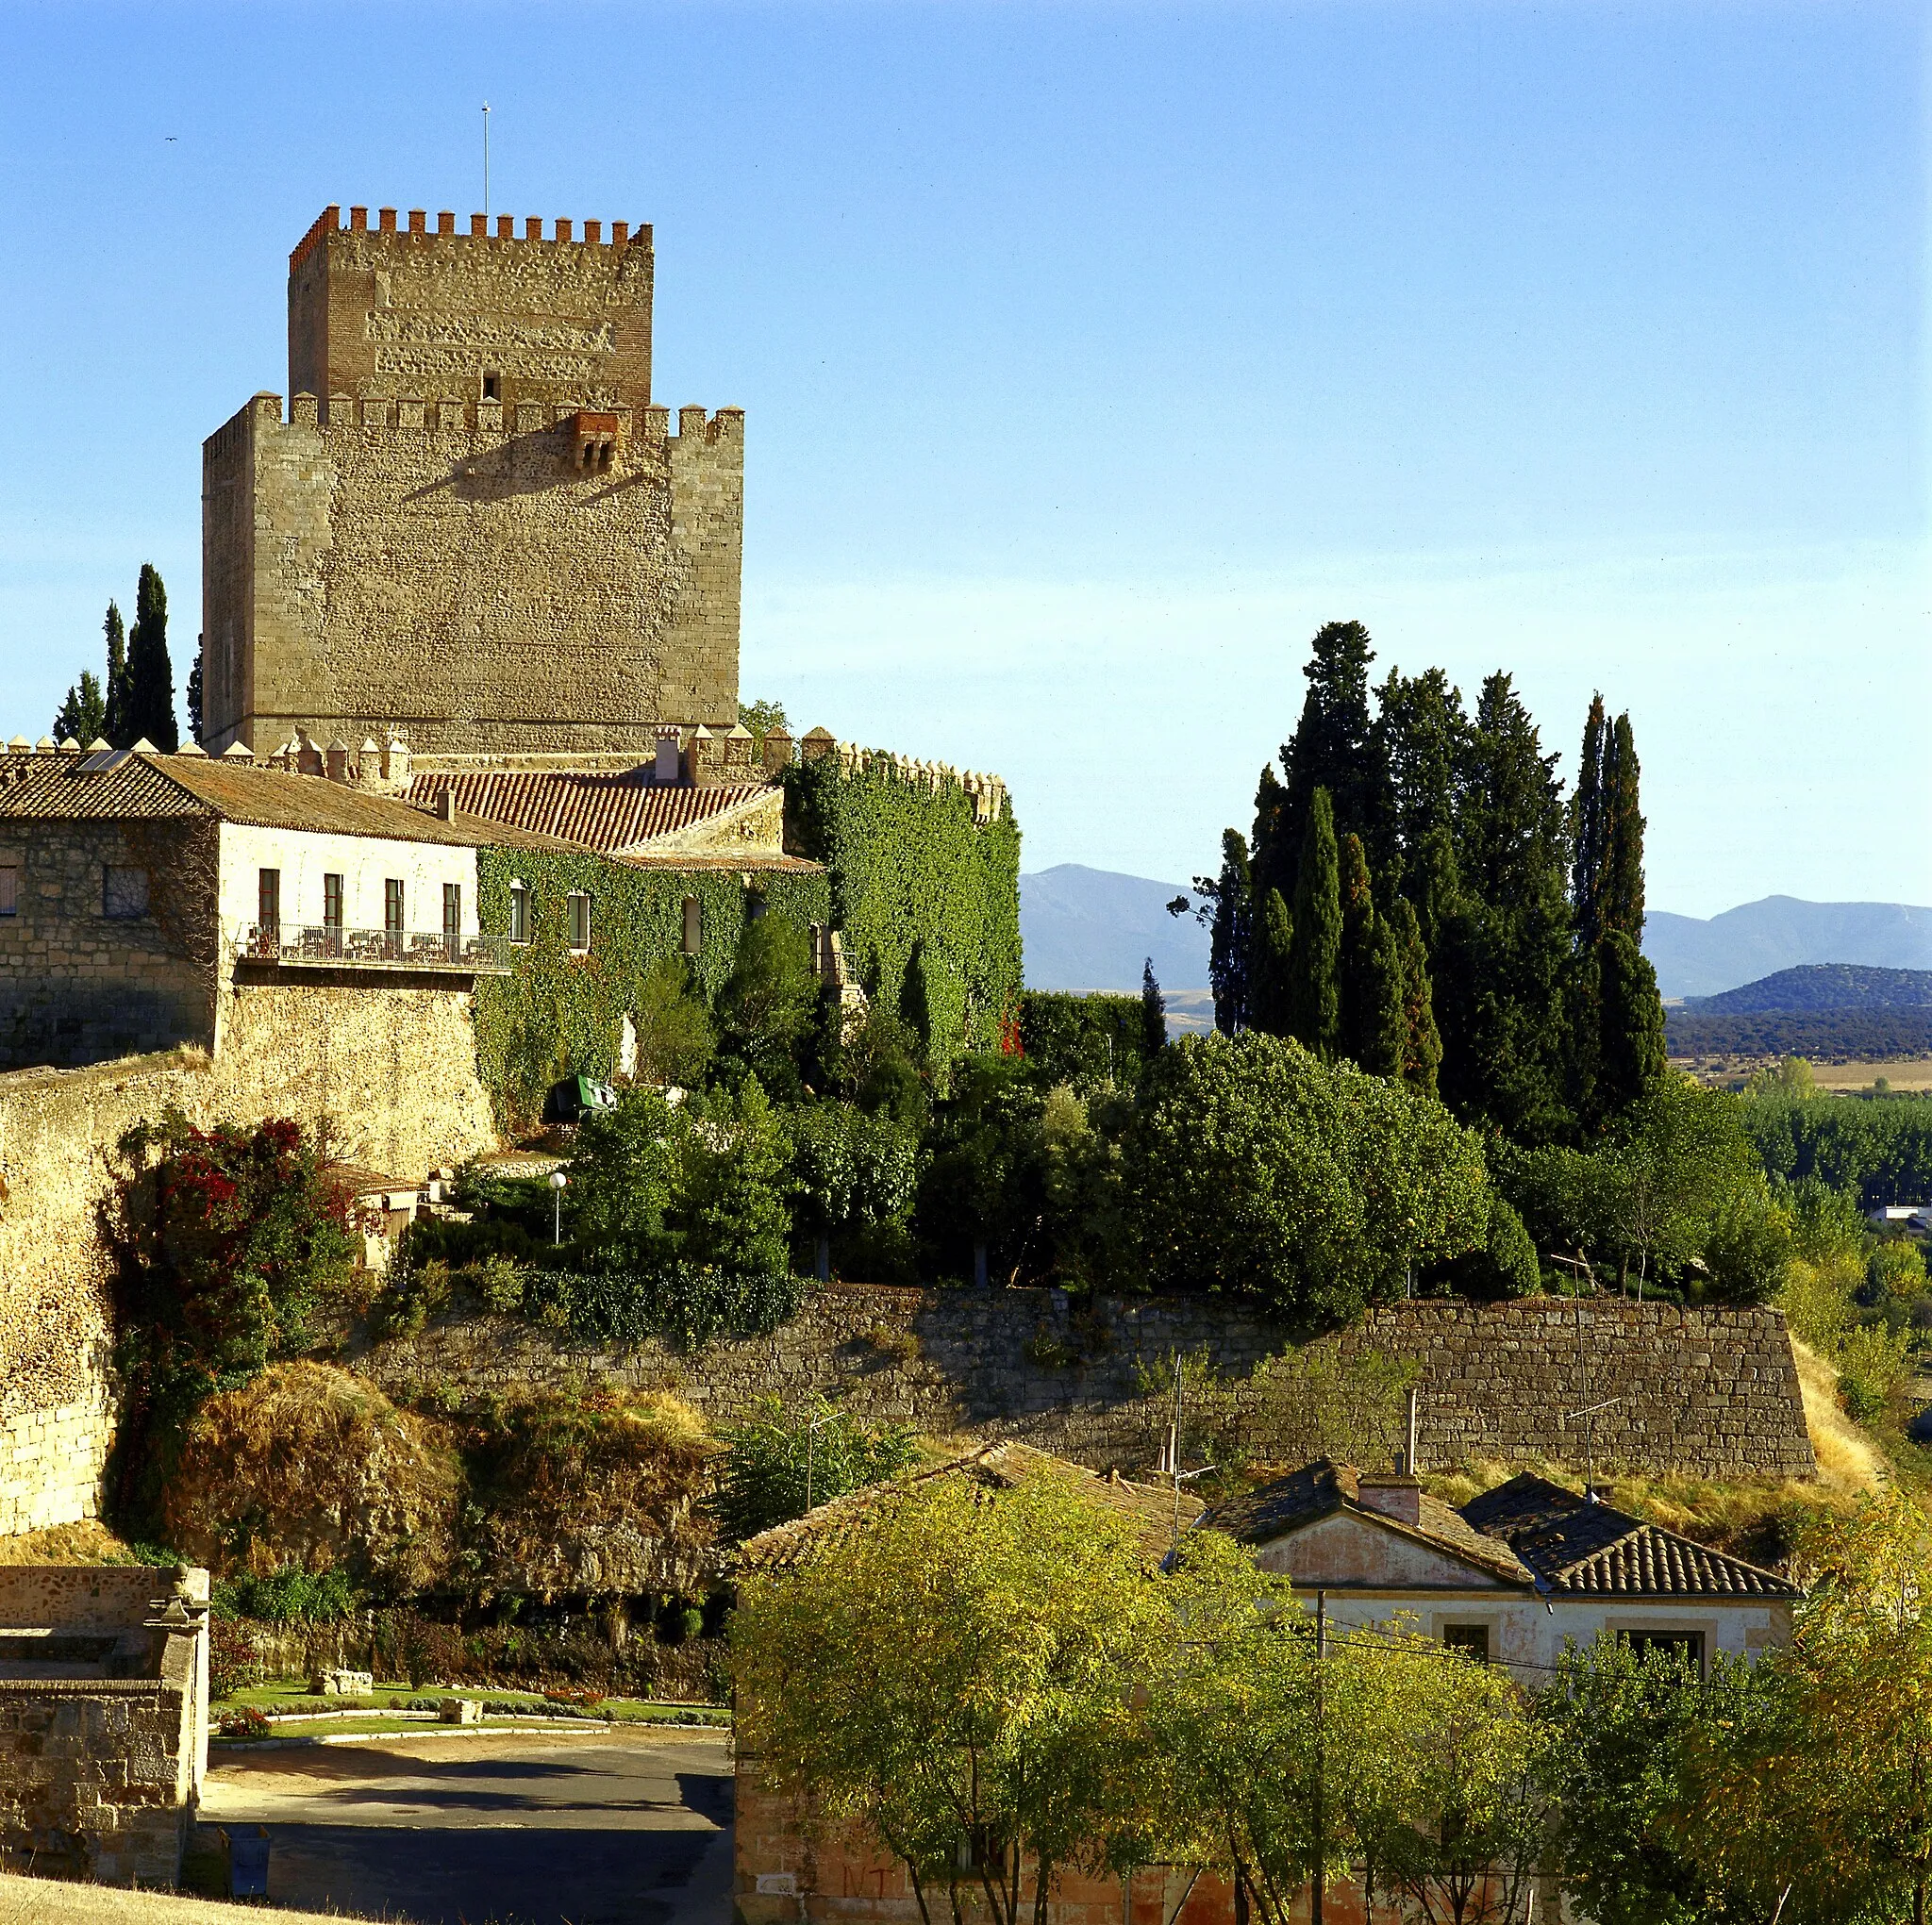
<point x="557" y="1180"/>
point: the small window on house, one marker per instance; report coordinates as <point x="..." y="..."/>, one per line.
<point x="693" y="926"/>
<point x="491" y="388"/>
<point x="452" y="919"/>
<point x="1686" y="1647"/>
<point x="393" y="912"/>
<point x="1471" y="1640"/>
<point x="9" y="889"/>
<point x="519" y="913"/>
<point x="123" y="893"/>
<point x="332" y="903"/>
<point x="579" y="912"/>
<point x="268" y="898"/>
<point x="755" y="907"/>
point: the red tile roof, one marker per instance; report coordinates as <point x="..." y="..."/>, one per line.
<point x="593" y="808"/>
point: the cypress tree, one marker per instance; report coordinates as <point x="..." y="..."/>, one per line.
<point x="1334" y="747"/>
<point x="83" y="716"/>
<point x="1587" y="864"/>
<point x="1269" y="998"/>
<point x="1314" y="1004"/>
<point x="150" y="675"/>
<point x="194" y="688"/>
<point x="1623" y="904"/>
<point x="1421" y="735"/>
<point x="1422" y="1043"/>
<point x="1382" y="1028"/>
<point x="1153" y="1015"/>
<point x="1354" y="974"/>
<point x="1231" y="942"/>
<point x="1632" y="1053"/>
<point x="117" y="694"/>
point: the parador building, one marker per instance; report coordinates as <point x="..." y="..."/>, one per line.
<point x="473" y="529"/>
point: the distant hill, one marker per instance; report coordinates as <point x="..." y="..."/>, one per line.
<point x="1091" y="929"/>
<point x="1823" y="986"/>
<point x="1697" y="957"/>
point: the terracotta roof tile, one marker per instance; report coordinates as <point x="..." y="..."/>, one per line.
<point x="593" y="808"/>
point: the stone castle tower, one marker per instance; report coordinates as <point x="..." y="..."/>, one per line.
<point x="473" y="526"/>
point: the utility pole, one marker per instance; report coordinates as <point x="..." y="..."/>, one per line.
<point x="1315" y="1896"/>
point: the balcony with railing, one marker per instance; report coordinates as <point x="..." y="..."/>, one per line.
<point x="331" y="947"/>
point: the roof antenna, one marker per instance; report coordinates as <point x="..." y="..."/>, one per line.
<point x="485" y="163"/>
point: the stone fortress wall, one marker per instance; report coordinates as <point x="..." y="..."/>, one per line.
<point x="1710" y="1393"/>
<point x="473" y="526"/>
<point x="392" y="1069"/>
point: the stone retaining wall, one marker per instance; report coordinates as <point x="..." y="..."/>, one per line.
<point x="1706" y="1392"/>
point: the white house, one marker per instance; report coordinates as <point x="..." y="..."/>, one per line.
<point x="1512" y="1576"/>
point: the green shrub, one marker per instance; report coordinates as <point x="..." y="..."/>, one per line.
<point x="780" y="1463"/>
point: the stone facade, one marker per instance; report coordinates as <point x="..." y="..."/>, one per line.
<point x="1704" y="1392"/>
<point x="473" y="526"/>
<point x="102" y="1719"/>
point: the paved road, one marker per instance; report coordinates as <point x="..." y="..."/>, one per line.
<point x="624" y="1829"/>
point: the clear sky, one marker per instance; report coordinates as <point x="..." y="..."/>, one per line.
<point x="1094" y="356"/>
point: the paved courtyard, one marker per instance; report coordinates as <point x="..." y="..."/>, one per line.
<point x="630" y="1828"/>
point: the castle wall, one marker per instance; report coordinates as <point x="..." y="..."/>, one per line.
<point x="1701" y="1392"/>
<point x="78" y="985"/>
<point x="451" y="570"/>
<point x="393" y="1068"/>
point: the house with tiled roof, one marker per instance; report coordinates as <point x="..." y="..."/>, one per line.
<point x="1510" y="1577"/>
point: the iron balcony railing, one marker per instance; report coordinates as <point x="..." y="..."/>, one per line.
<point x="330" y="947"/>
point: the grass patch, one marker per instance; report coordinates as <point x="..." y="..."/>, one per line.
<point x="287" y="1696"/>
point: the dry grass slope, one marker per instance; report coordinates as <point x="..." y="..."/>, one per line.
<point x="30" y="1900"/>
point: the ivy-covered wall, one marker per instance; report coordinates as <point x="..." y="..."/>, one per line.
<point x="561" y="1014"/>
<point x="926" y="898"/>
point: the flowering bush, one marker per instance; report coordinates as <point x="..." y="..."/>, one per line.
<point x="232" y="1665"/>
<point x="244" y="1723"/>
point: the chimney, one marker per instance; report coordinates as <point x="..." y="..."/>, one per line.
<point x="668" y="767"/>
<point x="446" y="802"/>
<point x="1397" y="1497"/>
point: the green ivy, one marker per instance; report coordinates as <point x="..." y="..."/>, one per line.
<point x="561" y="1014"/>
<point x="1067" y="1038"/>
<point x="926" y="898"/>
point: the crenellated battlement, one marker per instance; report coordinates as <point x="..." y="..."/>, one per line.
<point x="988" y="793"/>
<point x="563" y="230"/>
<point x="698" y="429"/>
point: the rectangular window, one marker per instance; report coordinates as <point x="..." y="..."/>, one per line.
<point x="1471" y="1640"/>
<point x="332" y="903"/>
<point x="453" y="920"/>
<point x="123" y="893"/>
<point x="393" y="916"/>
<point x="579" y="909"/>
<point x="519" y="913"/>
<point x="9" y="889"/>
<point x="268" y="898"/>
<point x="693" y="926"/>
<point x="1687" y="1647"/>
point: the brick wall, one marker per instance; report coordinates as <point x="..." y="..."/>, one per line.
<point x="1710" y="1392"/>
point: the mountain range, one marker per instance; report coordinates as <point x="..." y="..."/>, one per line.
<point x="1091" y="929"/>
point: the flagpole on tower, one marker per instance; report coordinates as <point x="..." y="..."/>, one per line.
<point x="485" y="162"/>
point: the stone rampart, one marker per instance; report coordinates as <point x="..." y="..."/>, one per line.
<point x="1707" y="1392"/>
<point x="393" y="1070"/>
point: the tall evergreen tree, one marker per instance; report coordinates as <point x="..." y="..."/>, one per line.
<point x="1505" y="964"/>
<point x="1227" y="907"/>
<point x="1423" y="737"/>
<point x="1381" y="1026"/>
<point x="150" y="675"/>
<point x="1623" y="904"/>
<point x="83" y="715"/>
<point x="1355" y="972"/>
<point x="1633" y="1050"/>
<point x="1314" y="1004"/>
<point x="1587" y="842"/>
<point x="117" y="695"/>
<point x="1270" y="995"/>
<point x="194" y="688"/>
<point x="1152" y="1014"/>
<point x="1334" y="747"/>
<point x="1422" y="1043"/>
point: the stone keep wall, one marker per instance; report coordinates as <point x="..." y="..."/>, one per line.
<point x="395" y="1071"/>
<point x="78" y="986"/>
<point x="1705" y="1391"/>
<point x="451" y="570"/>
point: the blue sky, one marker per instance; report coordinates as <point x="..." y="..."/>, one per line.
<point x="1094" y="356"/>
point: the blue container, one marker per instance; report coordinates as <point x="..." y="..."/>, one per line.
<point x="248" y="1864"/>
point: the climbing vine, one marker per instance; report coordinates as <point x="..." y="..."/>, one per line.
<point x="927" y="897"/>
<point x="562" y="1014"/>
